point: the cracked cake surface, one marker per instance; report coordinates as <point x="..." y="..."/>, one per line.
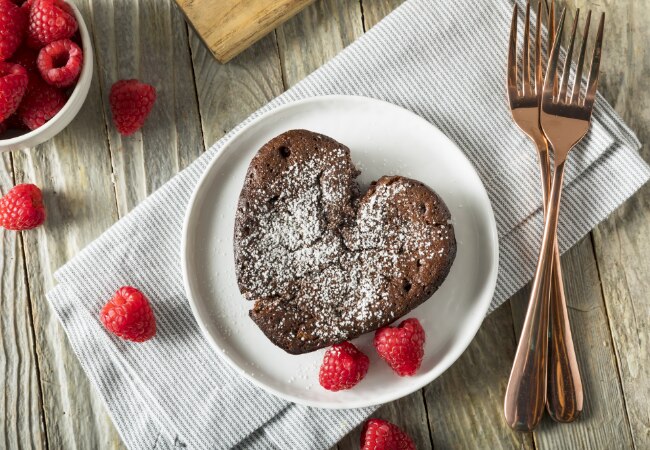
<point x="324" y="263"/>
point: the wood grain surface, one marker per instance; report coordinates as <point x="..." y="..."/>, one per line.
<point x="91" y="176"/>
<point x="228" y="27"/>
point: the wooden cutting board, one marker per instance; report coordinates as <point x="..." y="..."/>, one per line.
<point x="230" y="26"/>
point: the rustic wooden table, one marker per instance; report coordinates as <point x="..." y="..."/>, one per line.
<point x="91" y="177"/>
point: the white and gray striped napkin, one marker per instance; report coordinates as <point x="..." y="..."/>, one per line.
<point x="443" y="60"/>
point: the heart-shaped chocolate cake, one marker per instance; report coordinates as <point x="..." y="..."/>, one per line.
<point x="323" y="263"/>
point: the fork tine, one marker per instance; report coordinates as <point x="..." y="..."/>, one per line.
<point x="512" y="57"/>
<point x="550" y="80"/>
<point x="590" y="96"/>
<point x="551" y="37"/>
<point x="526" y="61"/>
<point x="551" y="25"/>
<point x="581" y="60"/>
<point x="538" y="49"/>
<point x="567" y="62"/>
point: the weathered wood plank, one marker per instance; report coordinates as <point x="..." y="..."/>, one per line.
<point x="603" y="423"/>
<point x="21" y="419"/>
<point x="316" y="35"/>
<point x="375" y="10"/>
<point x="74" y="172"/>
<point x="622" y="242"/>
<point x="148" y="40"/>
<point x="228" y="93"/>
<point x="465" y="405"/>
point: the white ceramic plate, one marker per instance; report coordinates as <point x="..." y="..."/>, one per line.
<point x="384" y="140"/>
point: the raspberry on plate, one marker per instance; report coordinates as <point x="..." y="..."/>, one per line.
<point x="49" y="21"/>
<point x="41" y="103"/>
<point x="22" y="208"/>
<point x="131" y="102"/>
<point x="129" y="315"/>
<point x="13" y="85"/>
<point x="13" y="21"/>
<point x="60" y="63"/>
<point x="343" y="367"/>
<point x="378" y="434"/>
<point x="401" y="347"/>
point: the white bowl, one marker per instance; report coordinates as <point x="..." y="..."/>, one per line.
<point x="61" y="120"/>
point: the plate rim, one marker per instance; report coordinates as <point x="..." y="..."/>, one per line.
<point x="483" y="305"/>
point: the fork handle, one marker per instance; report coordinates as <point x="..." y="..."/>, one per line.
<point x="526" y="392"/>
<point x="564" y="397"/>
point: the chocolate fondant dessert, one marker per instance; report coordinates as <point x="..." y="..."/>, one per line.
<point x="324" y="264"/>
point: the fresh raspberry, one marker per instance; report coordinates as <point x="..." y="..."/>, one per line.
<point x="60" y="63"/>
<point x="379" y="434"/>
<point x="22" y="208"/>
<point x="129" y="316"/>
<point x="40" y="104"/>
<point x="343" y="367"/>
<point x="26" y="57"/>
<point x="13" y="22"/>
<point x="131" y="102"/>
<point x="3" y="127"/>
<point x="26" y="6"/>
<point x="13" y="122"/>
<point x="49" y="21"/>
<point x="13" y="85"/>
<point x="402" y="347"/>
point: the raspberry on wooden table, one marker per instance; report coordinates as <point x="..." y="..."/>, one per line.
<point x="49" y="21"/>
<point x="131" y="102"/>
<point x="22" y="208"/>
<point x="129" y="315"/>
<point x="343" y="367"/>
<point x="13" y="85"/>
<point x="401" y="347"/>
<point x="13" y="21"/>
<point x="378" y="434"/>
<point x="41" y="103"/>
<point x="59" y="63"/>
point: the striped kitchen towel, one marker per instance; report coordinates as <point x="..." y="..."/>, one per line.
<point x="443" y="60"/>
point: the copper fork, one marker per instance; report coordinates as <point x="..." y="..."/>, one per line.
<point x="527" y="387"/>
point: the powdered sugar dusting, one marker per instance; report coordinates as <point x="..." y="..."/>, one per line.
<point x="337" y="263"/>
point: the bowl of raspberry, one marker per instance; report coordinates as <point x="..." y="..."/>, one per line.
<point x="46" y="67"/>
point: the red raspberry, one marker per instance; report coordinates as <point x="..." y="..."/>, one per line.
<point x="60" y="63"/>
<point x="379" y="434"/>
<point x="129" y="316"/>
<point x="13" y="21"/>
<point x="22" y="208"/>
<point x="402" y="347"/>
<point x="13" y="85"/>
<point x="40" y="104"/>
<point x="13" y="122"/>
<point x="131" y="102"/>
<point x="49" y="21"/>
<point x="343" y="367"/>
<point x="26" y="57"/>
